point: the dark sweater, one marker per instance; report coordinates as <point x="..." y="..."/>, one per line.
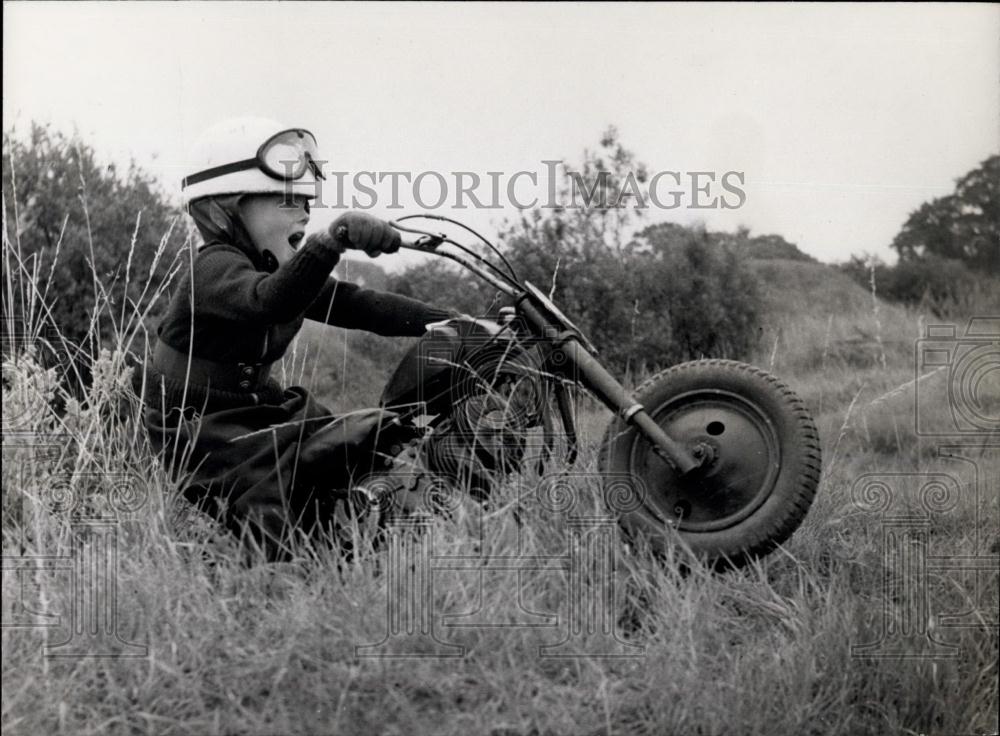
<point x="243" y="313"/>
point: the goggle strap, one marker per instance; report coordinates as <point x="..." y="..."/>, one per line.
<point x="248" y="163"/>
<point x="258" y="162"/>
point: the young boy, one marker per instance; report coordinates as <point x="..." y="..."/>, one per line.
<point x="263" y="459"/>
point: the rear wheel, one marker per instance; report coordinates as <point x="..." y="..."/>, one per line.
<point x="761" y="469"/>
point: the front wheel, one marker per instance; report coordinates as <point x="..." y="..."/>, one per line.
<point x="761" y="468"/>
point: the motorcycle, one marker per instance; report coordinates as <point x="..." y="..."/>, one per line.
<point x="717" y="453"/>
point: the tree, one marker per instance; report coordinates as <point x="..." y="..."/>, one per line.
<point x="668" y="294"/>
<point x="695" y="296"/>
<point x="964" y="226"/>
<point x="82" y="227"/>
<point x="444" y="285"/>
<point x="945" y="287"/>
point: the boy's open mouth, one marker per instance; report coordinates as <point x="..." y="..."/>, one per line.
<point x="295" y="238"/>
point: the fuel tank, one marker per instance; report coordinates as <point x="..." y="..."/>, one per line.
<point x="430" y="368"/>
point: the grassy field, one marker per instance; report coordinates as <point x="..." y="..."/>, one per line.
<point x="870" y="620"/>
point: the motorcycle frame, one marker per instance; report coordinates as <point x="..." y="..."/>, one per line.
<point x="563" y="335"/>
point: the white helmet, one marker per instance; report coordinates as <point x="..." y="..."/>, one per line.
<point x="252" y="155"/>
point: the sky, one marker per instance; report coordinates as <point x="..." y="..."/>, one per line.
<point x="842" y="118"/>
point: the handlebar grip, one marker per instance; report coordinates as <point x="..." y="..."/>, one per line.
<point x="340" y="235"/>
<point x="342" y="239"/>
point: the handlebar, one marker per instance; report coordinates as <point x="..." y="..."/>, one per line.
<point x="424" y="244"/>
<point x="429" y="242"/>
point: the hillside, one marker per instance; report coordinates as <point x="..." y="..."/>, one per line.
<point x="817" y="317"/>
<point x="795" y="287"/>
<point x="336" y="365"/>
<point x="307" y="646"/>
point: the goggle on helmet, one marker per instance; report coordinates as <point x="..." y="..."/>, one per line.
<point x="286" y="162"/>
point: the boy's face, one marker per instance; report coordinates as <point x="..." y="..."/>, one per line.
<point x="273" y="224"/>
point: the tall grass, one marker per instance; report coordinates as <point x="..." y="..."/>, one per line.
<point x="271" y="649"/>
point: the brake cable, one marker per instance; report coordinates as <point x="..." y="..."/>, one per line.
<point x="465" y="227"/>
<point x="512" y="278"/>
<point x="435" y="239"/>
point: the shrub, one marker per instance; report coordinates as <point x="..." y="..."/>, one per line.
<point x="944" y="286"/>
<point x="704" y="289"/>
<point x="669" y="294"/>
<point x="83" y="233"/>
<point x="440" y="283"/>
<point x="672" y="294"/>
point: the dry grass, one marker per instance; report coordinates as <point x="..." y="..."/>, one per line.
<point x="271" y="649"/>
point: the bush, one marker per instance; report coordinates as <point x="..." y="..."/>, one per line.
<point x="709" y="297"/>
<point x="84" y="233"/>
<point x="440" y="283"/>
<point x="943" y="286"/>
<point x="671" y="293"/>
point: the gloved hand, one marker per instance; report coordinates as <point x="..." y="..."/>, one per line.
<point x="364" y="232"/>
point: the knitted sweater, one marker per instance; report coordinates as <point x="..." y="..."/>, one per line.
<point x="243" y="313"/>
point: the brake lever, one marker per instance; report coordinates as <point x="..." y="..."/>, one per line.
<point x="427" y="241"/>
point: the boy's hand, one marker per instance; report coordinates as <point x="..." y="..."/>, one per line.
<point x="364" y="232"/>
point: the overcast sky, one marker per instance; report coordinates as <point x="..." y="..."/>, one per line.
<point x="844" y="118"/>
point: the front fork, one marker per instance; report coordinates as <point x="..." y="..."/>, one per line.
<point x="595" y="377"/>
<point x="606" y="387"/>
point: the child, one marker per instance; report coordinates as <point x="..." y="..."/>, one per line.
<point x="262" y="458"/>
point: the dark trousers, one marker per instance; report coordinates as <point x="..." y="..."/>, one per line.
<point x="271" y="470"/>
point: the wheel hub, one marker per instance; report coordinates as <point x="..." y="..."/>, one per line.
<point x="738" y="454"/>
